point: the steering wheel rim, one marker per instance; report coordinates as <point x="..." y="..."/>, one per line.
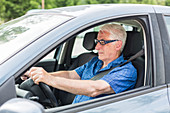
<point x="45" y="89"/>
<point x="49" y="94"/>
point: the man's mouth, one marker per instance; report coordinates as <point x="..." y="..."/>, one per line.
<point x="100" y="52"/>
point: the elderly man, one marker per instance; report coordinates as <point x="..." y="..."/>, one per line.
<point x="110" y="42"/>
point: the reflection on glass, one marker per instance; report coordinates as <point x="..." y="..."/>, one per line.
<point x="16" y="34"/>
<point x="167" y="21"/>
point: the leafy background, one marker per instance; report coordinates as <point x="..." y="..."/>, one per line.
<point x="10" y="9"/>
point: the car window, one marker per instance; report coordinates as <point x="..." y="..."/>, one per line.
<point x="78" y="45"/>
<point x="135" y="33"/>
<point x="18" y="33"/>
<point x="130" y="26"/>
<point x="167" y="21"/>
<point x="50" y="55"/>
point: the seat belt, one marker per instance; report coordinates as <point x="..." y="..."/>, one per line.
<point x="100" y="75"/>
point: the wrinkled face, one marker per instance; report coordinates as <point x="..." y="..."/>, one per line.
<point x="107" y="52"/>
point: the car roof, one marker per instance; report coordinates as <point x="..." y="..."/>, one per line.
<point x="105" y="9"/>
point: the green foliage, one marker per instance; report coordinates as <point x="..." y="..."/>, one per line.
<point x="2" y="9"/>
<point x="83" y="2"/>
<point x="167" y="2"/>
<point x="108" y="1"/>
<point x="10" y="9"/>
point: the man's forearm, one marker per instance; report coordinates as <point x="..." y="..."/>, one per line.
<point x="66" y="74"/>
<point x="70" y="82"/>
<point x="81" y="87"/>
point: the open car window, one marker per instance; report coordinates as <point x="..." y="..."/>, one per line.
<point x="71" y="55"/>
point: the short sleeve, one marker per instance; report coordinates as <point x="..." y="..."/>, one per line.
<point x="121" y="78"/>
<point x="89" y="65"/>
<point x="80" y="70"/>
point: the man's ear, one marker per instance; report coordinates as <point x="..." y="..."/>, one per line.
<point x="118" y="45"/>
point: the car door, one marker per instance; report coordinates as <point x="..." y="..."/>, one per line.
<point x="164" y="22"/>
<point x="154" y="101"/>
<point x="152" y="96"/>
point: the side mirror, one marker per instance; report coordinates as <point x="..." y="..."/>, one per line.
<point x="20" y="105"/>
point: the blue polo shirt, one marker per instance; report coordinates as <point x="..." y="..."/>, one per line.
<point x="120" y="78"/>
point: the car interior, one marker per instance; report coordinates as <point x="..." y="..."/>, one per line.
<point x="76" y="51"/>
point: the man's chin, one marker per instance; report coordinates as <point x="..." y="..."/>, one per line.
<point x="100" y="58"/>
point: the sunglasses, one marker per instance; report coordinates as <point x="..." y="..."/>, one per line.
<point x="103" y="42"/>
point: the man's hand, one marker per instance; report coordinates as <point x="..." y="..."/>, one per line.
<point x="38" y="74"/>
<point x="25" y="76"/>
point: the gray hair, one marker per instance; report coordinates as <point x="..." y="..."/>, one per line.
<point x="116" y="32"/>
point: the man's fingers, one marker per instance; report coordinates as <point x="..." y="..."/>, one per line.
<point x="33" y="68"/>
<point x="37" y="81"/>
<point x="37" y="74"/>
<point x="34" y="77"/>
<point x="37" y="78"/>
<point x="36" y="69"/>
<point x="24" y="77"/>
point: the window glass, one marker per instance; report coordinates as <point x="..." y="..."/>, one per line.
<point x="78" y="45"/>
<point x="167" y="21"/>
<point x="50" y="55"/>
<point x="17" y="33"/>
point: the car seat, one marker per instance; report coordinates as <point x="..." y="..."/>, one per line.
<point x="134" y="43"/>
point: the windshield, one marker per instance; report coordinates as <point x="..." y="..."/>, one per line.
<point x="16" y="34"/>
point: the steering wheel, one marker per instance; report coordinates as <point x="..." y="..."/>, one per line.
<point x="43" y="91"/>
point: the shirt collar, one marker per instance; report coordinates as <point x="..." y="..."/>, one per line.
<point x="114" y="63"/>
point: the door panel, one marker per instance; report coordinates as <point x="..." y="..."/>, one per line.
<point x="140" y="100"/>
<point x="169" y="93"/>
<point x="153" y="102"/>
<point x="7" y="90"/>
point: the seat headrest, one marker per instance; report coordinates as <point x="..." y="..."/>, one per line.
<point x="133" y="44"/>
<point x="88" y="42"/>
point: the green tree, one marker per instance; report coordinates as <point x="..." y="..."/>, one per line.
<point x="49" y="4"/>
<point x="2" y="10"/>
<point x="62" y="3"/>
<point x="108" y="1"/>
<point x="82" y="2"/>
<point x="167" y="2"/>
<point x="16" y="8"/>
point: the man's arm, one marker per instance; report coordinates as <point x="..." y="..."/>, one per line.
<point x="82" y="87"/>
<point x="75" y="86"/>
<point x="66" y="74"/>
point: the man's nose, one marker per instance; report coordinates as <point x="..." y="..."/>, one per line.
<point x="98" y="46"/>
